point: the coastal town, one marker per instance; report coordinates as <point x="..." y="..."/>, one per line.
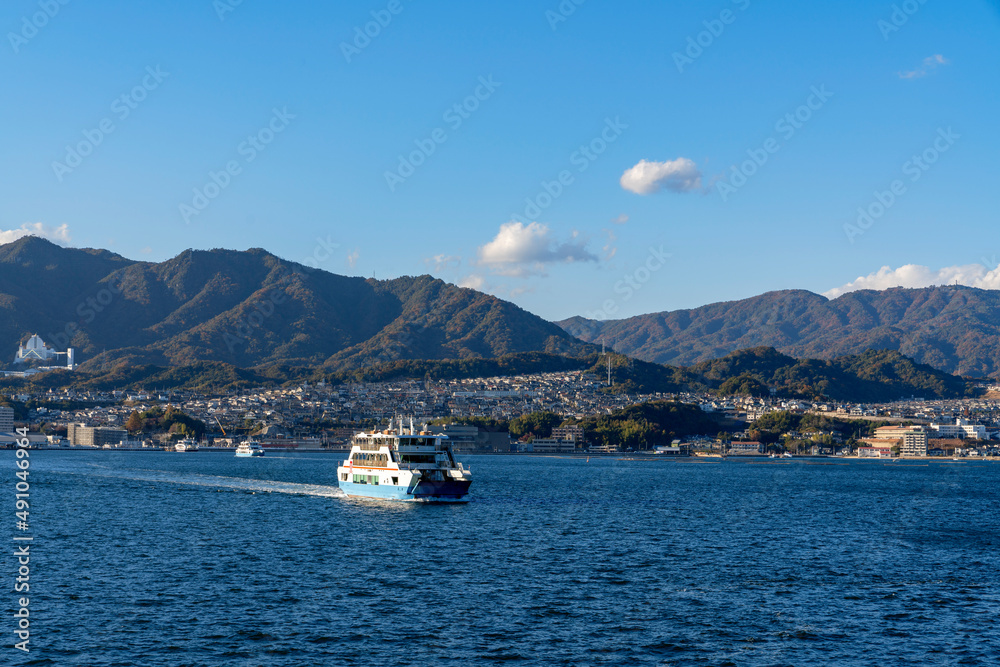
<point x="323" y="417"/>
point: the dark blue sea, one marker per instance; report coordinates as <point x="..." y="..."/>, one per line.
<point x="206" y="559"/>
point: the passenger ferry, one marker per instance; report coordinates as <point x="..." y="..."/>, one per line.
<point x="249" y="448"/>
<point x="414" y="466"/>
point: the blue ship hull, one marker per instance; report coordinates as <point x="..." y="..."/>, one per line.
<point x="425" y="491"/>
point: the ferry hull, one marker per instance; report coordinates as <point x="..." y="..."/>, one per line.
<point x="425" y="491"/>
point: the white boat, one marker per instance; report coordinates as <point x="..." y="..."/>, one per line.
<point x="186" y="445"/>
<point x="249" y="448"/>
<point x="418" y="466"/>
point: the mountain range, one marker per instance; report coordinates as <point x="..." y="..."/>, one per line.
<point x="249" y="308"/>
<point x="951" y="328"/>
<point x="253" y="310"/>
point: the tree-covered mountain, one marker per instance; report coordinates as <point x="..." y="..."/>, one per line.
<point x="952" y="328"/>
<point x="871" y="377"/>
<point x="226" y="319"/>
<point x="249" y="309"/>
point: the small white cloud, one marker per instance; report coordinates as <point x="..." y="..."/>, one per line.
<point x="926" y="67"/>
<point x="473" y="281"/>
<point x="620" y="220"/>
<point x="352" y="258"/>
<point x="442" y="262"/>
<point x="916" y="276"/>
<point x="58" y="234"/>
<point x="519" y="250"/>
<point x="646" y="178"/>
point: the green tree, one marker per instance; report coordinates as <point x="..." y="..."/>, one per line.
<point x="535" y="424"/>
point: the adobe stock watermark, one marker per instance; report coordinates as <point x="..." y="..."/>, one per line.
<point x="899" y="17"/>
<point x="363" y="35"/>
<point x="122" y="107"/>
<point x="455" y="116"/>
<point x="581" y="158"/>
<point x="632" y="283"/>
<point x="787" y="127"/>
<point x="714" y="28"/>
<point x="87" y="310"/>
<point x="30" y="25"/>
<point x="914" y="168"/>
<point x="223" y="7"/>
<point x="562" y="13"/>
<point x="22" y="540"/>
<point x="265" y="308"/>
<point x="248" y="149"/>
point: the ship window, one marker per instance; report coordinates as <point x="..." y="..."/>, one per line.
<point x="417" y="458"/>
<point x="395" y="481"/>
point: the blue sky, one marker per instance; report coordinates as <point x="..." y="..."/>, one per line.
<point x="304" y="124"/>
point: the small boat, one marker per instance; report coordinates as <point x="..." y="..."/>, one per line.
<point x="186" y="445"/>
<point x="787" y="455"/>
<point x="249" y="448"/>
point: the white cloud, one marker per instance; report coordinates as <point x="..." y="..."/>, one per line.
<point x="520" y="250"/>
<point x="473" y="281"/>
<point x="620" y="220"/>
<point x="352" y="258"/>
<point x="442" y="262"/>
<point x="914" y="275"/>
<point x="646" y="178"/>
<point x="926" y="67"/>
<point x="58" y="234"/>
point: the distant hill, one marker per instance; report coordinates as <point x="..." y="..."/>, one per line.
<point x="249" y="309"/>
<point x="874" y="376"/>
<point x="952" y="328"/>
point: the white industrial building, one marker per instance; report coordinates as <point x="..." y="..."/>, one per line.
<point x="36" y="350"/>
<point x="960" y="429"/>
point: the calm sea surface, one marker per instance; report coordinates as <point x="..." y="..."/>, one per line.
<point x="206" y="559"/>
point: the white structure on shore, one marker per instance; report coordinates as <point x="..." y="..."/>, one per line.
<point x="36" y="350"/>
<point x="960" y="429"/>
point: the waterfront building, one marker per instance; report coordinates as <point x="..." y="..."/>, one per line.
<point x="911" y="440"/>
<point x="552" y="446"/>
<point x="574" y="433"/>
<point x="745" y="447"/>
<point x="81" y="435"/>
<point x="674" y="449"/>
<point x="6" y="420"/>
<point x="875" y="452"/>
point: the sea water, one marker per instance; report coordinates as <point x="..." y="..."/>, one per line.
<point x="206" y="559"/>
